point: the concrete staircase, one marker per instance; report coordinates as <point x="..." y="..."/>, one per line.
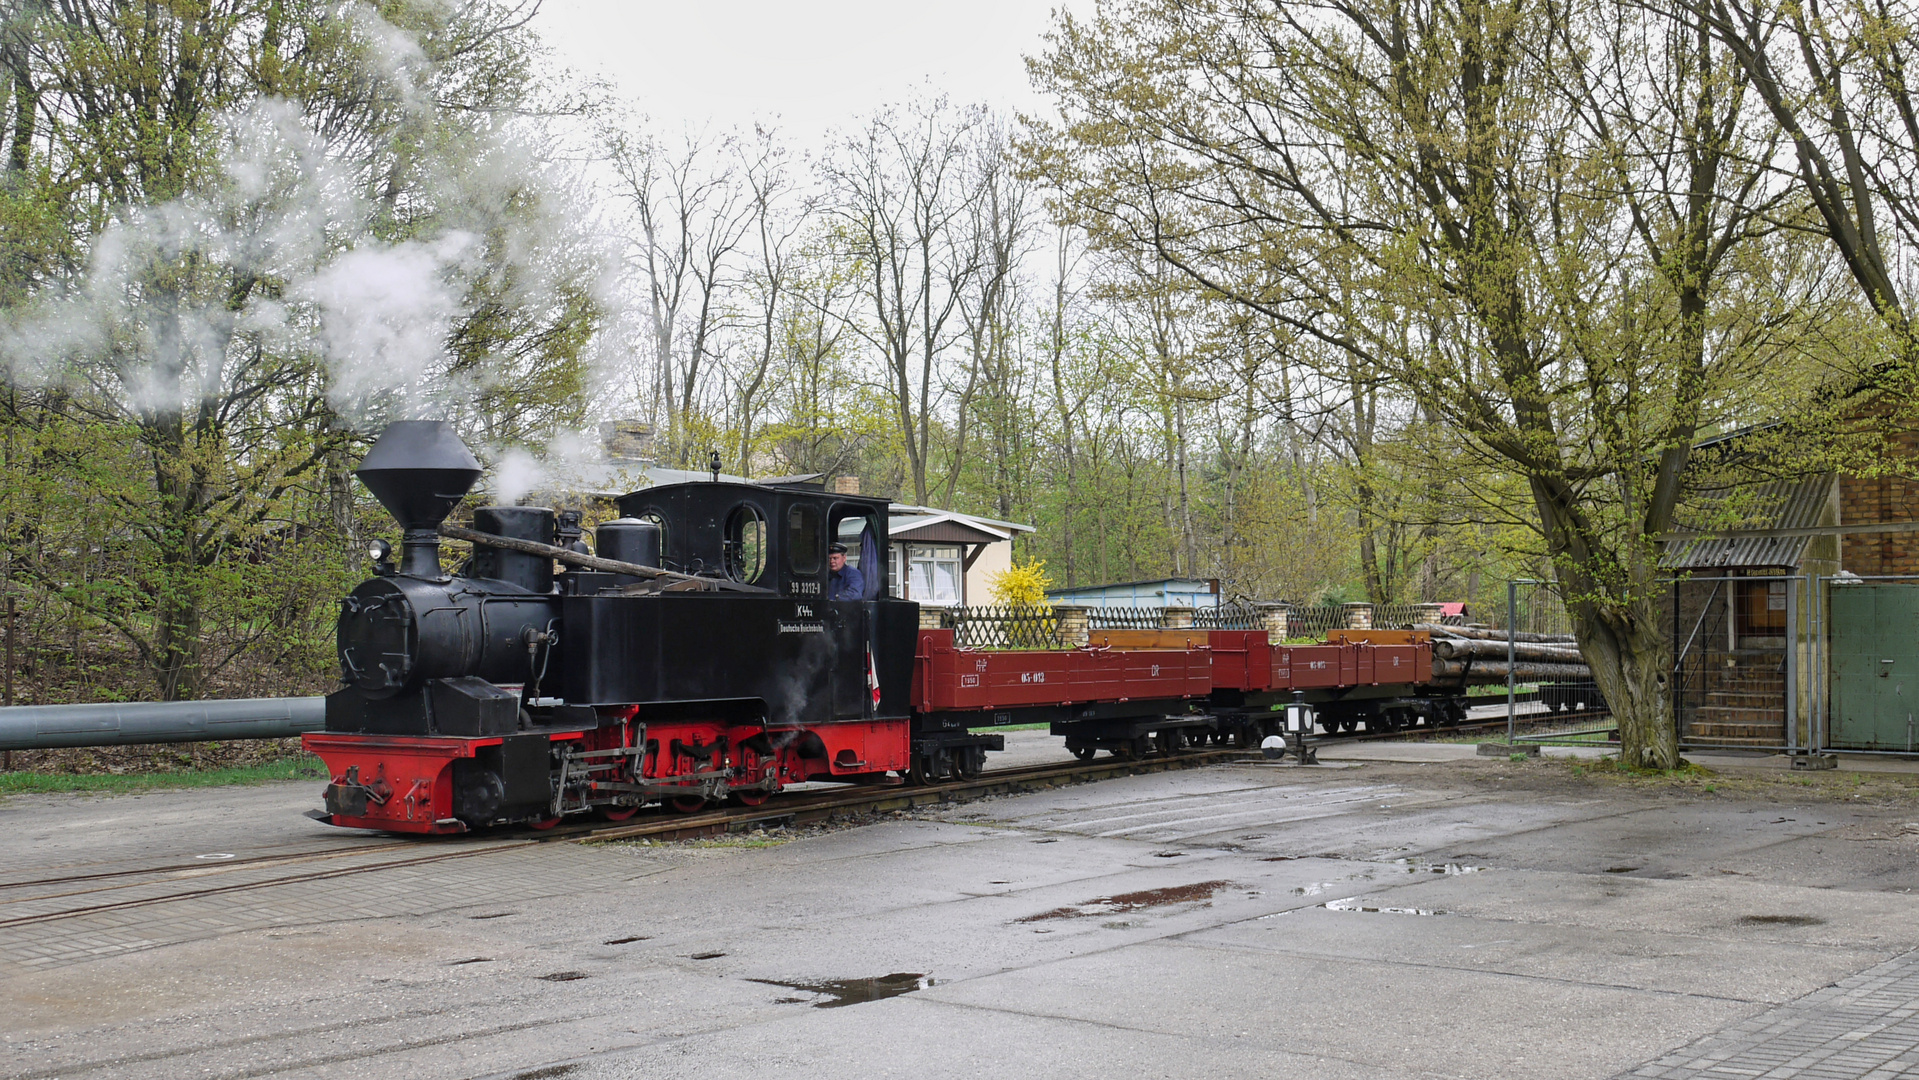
<point x="1745" y="702"/>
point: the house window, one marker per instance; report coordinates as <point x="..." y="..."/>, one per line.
<point x="934" y="574"/>
<point x="895" y="575"/>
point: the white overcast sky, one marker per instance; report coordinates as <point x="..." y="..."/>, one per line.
<point x="808" y="65"/>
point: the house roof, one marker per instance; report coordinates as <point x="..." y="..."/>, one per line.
<point x="1206" y="584"/>
<point x="1782" y="504"/>
<point x="1004" y="528"/>
<point x="942" y="530"/>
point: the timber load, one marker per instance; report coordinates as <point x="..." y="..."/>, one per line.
<point x="1479" y="655"/>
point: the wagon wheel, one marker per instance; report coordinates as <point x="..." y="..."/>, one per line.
<point x="1084" y="753"/>
<point x="970" y="763"/>
<point x="611" y="812"/>
<point x="686" y="804"/>
<point x="1142" y="746"/>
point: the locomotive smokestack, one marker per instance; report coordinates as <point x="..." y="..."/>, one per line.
<point x="419" y="470"/>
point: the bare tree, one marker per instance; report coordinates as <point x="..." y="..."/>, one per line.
<point x="901" y="195"/>
<point x="690" y="214"/>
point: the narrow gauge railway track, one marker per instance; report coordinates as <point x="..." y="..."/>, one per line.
<point x="794" y="809"/>
<point x="1525" y="721"/>
<point x="201" y="866"/>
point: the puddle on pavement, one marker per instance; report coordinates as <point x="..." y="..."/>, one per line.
<point x="1168" y="854"/>
<point x="1199" y="891"/>
<point x="1620" y="869"/>
<point x="833" y="993"/>
<point x="1353" y="904"/>
<point x="1314" y="888"/>
<point x="629" y="940"/>
<point x="1421" y="866"/>
<point x="494" y="915"/>
<point x="1782" y="920"/>
<point x="551" y="1072"/>
<point x="563" y="976"/>
<point x="706" y="956"/>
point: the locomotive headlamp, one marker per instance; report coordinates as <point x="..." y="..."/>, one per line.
<point x="379" y="551"/>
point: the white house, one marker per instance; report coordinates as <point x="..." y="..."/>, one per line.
<point x="943" y="558"/>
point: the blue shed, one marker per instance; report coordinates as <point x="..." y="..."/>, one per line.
<point x="1164" y="592"/>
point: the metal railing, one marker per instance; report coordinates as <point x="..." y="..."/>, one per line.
<point x="1124" y="618"/>
<point x="1003" y="627"/>
<point x="1229" y="617"/>
<point x="1314" y="622"/>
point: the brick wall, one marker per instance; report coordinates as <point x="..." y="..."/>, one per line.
<point x="1874" y="499"/>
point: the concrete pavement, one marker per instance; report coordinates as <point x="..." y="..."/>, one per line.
<point x="1456" y="918"/>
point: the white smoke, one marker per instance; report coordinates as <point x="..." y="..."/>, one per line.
<point x="568" y="462"/>
<point x="385" y="312"/>
<point x="291" y="212"/>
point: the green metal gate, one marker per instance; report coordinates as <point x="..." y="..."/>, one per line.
<point x="1874" y="691"/>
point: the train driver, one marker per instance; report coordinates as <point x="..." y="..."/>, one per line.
<point x="846" y="583"/>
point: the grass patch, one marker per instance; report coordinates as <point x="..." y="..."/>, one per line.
<point x="305" y="767"/>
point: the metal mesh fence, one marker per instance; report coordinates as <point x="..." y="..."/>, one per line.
<point x="1538" y="609"/>
<point x="1228" y="617"/>
<point x="1004" y="627"/>
<point x="1314" y="622"/>
<point x="1122" y="618"/>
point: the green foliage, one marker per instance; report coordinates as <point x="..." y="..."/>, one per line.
<point x="181" y="405"/>
<point x="304" y="767"/>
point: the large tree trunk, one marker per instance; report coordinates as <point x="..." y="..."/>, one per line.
<point x="1631" y="660"/>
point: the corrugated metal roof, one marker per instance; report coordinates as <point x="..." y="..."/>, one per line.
<point x="1782" y="504"/>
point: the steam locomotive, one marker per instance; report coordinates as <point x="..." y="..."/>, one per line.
<point x="698" y="656"/>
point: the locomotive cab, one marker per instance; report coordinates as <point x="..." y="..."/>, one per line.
<point x="777" y="649"/>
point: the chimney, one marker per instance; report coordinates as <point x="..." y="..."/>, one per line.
<point x="626" y="441"/>
<point x="419" y="470"/>
<point x="846" y="485"/>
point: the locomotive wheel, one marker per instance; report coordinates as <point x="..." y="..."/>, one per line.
<point x="1085" y="753"/>
<point x="751" y="798"/>
<point x="616" y="813"/>
<point x="544" y="823"/>
<point x="932" y="768"/>
<point x="686" y="804"/>
<point x="1142" y="746"/>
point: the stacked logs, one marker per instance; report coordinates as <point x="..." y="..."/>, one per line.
<point x="1479" y="653"/>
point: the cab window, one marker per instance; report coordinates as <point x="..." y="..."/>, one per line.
<point x="803" y="539"/>
<point x="744" y="546"/>
<point x="855" y="529"/>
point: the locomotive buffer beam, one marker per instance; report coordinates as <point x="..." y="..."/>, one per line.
<point x="594" y="562"/>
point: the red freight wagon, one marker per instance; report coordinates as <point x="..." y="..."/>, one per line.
<point x="1242" y="660"/>
<point x="1314" y="667"/>
<point x="1133" y="675"/>
<point x="946" y="677"/>
<point x="1401" y="663"/>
